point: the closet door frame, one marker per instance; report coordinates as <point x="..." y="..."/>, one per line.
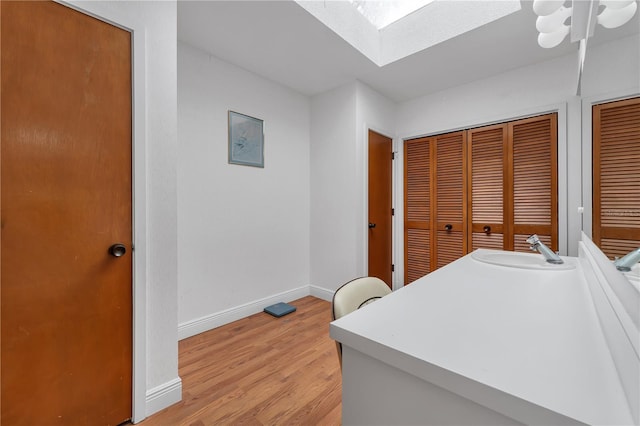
<point x="569" y="225"/>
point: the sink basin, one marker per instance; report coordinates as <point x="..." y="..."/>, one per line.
<point x="519" y="260"/>
<point x="634" y="275"/>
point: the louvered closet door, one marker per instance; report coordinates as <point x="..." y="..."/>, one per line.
<point x="417" y="209"/>
<point x="535" y="181"/>
<point x="450" y="189"/>
<point x="487" y="158"/>
<point x="616" y="176"/>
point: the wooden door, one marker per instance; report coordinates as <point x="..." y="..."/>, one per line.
<point x="616" y="176"/>
<point x="435" y="203"/>
<point x="66" y="302"/>
<point x="417" y="208"/>
<point x="449" y="242"/>
<point x="533" y="162"/>
<point x="513" y="184"/>
<point x="487" y="198"/>
<point x="380" y="207"/>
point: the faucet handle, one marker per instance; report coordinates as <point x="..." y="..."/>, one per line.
<point x="533" y="239"/>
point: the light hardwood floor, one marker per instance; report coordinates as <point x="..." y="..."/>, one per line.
<point x="260" y="370"/>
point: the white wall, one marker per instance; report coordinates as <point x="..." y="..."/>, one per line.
<point x="543" y="87"/>
<point x="373" y="112"/>
<point x="340" y="120"/>
<point x="333" y="190"/>
<point x="612" y="67"/>
<point x="244" y="231"/>
<point x="156" y="382"/>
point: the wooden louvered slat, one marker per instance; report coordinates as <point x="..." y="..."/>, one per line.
<point x="418" y="254"/>
<point x="487" y="175"/>
<point x="620" y="113"/>
<point x="449" y="178"/>
<point x="619" y="218"/>
<point x="417" y="180"/>
<point x="490" y="241"/>
<point x="616" y="176"/>
<point x="617" y="248"/>
<point x="450" y="247"/>
<point x="620" y="233"/>
<point x="534" y="176"/>
<point x="417" y="208"/>
<point x="531" y="173"/>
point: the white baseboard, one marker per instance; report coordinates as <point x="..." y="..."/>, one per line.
<point x="321" y="293"/>
<point x="163" y="396"/>
<point x="209" y="322"/>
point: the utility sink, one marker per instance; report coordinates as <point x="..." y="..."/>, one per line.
<point x="512" y="259"/>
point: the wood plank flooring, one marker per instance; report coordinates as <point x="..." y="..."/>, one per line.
<point x="260" y="370"/>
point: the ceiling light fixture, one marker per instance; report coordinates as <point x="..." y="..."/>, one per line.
<point x="553" y="16"/>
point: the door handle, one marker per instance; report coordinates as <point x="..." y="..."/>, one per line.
<point x="487" y="229"/>
<point x="117" y="250"/>
<point x="372" y="225"/>
<point x="448" y="227"/>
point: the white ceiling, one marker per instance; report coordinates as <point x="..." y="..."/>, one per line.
<point x="281" y="41"/>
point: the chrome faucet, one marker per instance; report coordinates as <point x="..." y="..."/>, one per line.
<point x="626" y="263"/>
<point x="549" y="255"/>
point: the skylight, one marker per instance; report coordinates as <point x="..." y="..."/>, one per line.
<point x="386" y="12"/>
<point x="421" y="26"/>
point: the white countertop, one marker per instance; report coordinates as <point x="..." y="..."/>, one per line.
<point x="530" y="334"/>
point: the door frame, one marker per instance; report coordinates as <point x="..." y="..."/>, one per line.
<point x="139" y="191"/>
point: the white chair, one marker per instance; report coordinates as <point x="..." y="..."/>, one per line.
<point x="354" y="295"/>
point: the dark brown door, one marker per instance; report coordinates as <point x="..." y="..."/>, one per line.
<point x="534" y="181"/>
<point x="435" y="203"/>
<point x="487" y="198"/>
<point x="449" y="242"/>
<point x="66" y="302"/>
<point x="616" y="176"/>
<point x="513" y="184"/>
<point x="419" y="155"/>
<point x="380" y="204"/>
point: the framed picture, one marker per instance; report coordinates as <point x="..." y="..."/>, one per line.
<point x="246" y="140"/>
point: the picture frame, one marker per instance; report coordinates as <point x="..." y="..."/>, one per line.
<point x="246" y="140"/>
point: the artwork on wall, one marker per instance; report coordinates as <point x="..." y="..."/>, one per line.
<point x="246" y="140"/>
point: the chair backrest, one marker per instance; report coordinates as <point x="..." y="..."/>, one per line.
<point x="354" y="295"/>
<point x="357" y="293"/>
